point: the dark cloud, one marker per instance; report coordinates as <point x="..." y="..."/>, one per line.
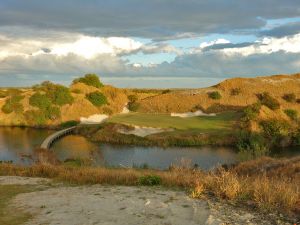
<point x="215" y="64"/>
<point x="282" y="31"/>
<point x="143" y="18"/>
<point x="227" y="45"/>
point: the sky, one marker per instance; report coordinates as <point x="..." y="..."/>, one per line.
<point x="147" y="43"/>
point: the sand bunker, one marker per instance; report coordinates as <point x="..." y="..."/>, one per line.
<point x="93" y="119"/>
<point x="125" y="110"/>
<point x="143" y="131"/>
<point x="192" y="114"/>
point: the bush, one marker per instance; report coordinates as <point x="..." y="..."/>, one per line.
<point x="13" y="105"/>
<point x="58" y="94"/>
<point x="97" y="98"/>
<point x="274" y="129"/>
<point x="3" y="94"/>
<point x="68" y="124"/>
<point x="214" y="95"/>
<point x="76" y="91"/>
<point x="150" y="180"/>
<point x="133" y="106"/>
<point x="132" y="98"/>
<point x="251" y="145"/>
<point x="35" y="117"/>
<point x="40" y="100"/>
<point x="251" y="111"/>
<point x="268" y="101"/>
<point x="90" y="80"/>
<point x="166" y="91"/>
<point x="291" y="97"/>
<point x="291" y="113"/>
<point x="52" y="112"/>
<point x="235" y="91"/>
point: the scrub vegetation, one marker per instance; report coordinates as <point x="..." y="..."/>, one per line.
<point x="268" y="185"/>
<point x="90" y="80"/>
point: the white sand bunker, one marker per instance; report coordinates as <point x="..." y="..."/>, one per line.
<point x="93" y="119"/>
<point x="143" y="131"/>
<point x="125" y="110"/>
<point x="192" y="114"/>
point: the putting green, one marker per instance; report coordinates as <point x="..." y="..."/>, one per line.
<point x="220" y="122"/>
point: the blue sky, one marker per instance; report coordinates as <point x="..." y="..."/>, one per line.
<point x="161" y="43"/>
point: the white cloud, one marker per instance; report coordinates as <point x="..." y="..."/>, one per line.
<point x="85" y="46"/>
<point x="289" y="44"/>
<point x="215" y="42"/>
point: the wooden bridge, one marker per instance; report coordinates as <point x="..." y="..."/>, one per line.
<point x="54" y="137"/>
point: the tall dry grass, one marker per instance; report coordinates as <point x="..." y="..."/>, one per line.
<point x="268" y="184"/>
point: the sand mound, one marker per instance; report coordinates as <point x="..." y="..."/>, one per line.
<point x="93" y="119"/>
<point x="192" y="114"/>
<point x="143" y="131"/>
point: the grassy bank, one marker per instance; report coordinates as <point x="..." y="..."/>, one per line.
<point x="108" y="133"/>
<point x="266" y="184"/>
<point x="194" y="131"/>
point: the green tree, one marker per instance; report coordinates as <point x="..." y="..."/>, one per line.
<point x="90" y="80"/>
<point x="97" y="98"/>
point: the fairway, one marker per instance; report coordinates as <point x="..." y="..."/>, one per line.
<point x="220" y="123"/>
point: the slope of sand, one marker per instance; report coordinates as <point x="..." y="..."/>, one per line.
<point x="119" y="205"/>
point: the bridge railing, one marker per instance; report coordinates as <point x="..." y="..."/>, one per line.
<point x="57" y="135"/>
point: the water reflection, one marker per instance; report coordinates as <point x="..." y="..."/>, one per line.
<point x="17" y="144"/>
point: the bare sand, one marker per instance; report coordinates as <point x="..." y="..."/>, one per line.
<point x="121" y="205"/>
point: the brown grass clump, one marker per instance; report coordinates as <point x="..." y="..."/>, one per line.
<point x="270" y="194"/>
<point x="224" y="184"/>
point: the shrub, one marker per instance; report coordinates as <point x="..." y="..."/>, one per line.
<point x="133" y="106"/>
<point x="76" y="91"/>
<point x="251" y="146"/>
<point x="52" y="112"/>
<point x="97" y="98"/>
<point x="3" y="94"/>
<point x="90" y="80"/>
<point x="251" y="111"/>
<point x="40" y="100"/>
<point x="274" y="129"/>
<point x="268" y="101"/>
<point x="166" y="91"/>
<point x="13" y="105"/>
<point x="235" y="91"/>
<point x="70" y="123"/>
<point x="132" y="98"/>
<point x="214" y="95"/>
<point x="291" y="113"/>
<point x="58" y="94"/>
<point x="35" y="117"/>
<point x="150" y="180"/>
<point x="296" y="137"/>
<point x="291" y="97"/>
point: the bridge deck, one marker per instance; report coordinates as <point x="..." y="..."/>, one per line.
<point x="50" y="139"/>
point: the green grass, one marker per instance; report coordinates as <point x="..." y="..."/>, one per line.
<point x="9" y="215"/>
<point x="220" y="123"/>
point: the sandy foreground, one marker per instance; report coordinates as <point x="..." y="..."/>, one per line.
<point x="120" y="205"/>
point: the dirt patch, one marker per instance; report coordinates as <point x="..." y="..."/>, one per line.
<point x="12" y="180"/>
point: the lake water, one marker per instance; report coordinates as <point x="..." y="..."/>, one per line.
<point x="17" y="144"/>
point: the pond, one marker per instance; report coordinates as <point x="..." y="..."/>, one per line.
<point x="17" y="144"/>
